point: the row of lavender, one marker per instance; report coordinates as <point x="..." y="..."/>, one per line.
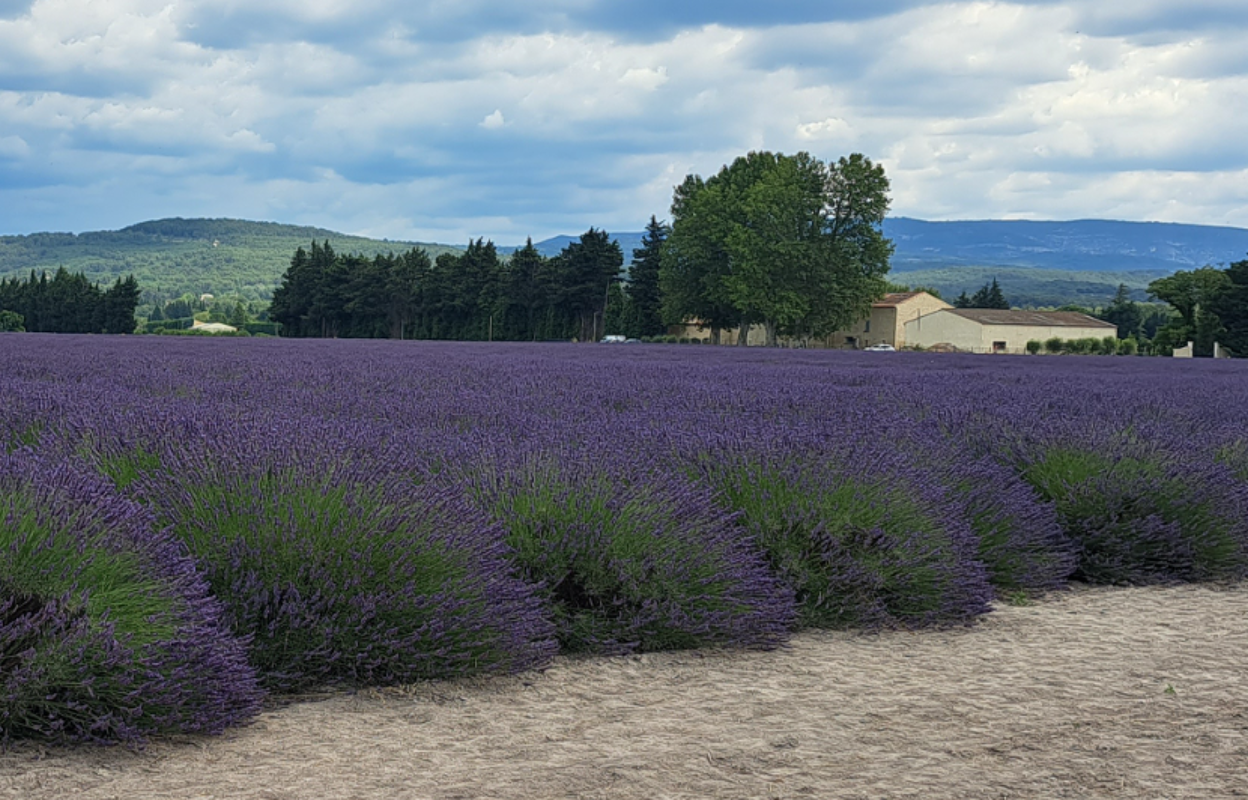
<point x="191" y="524"/>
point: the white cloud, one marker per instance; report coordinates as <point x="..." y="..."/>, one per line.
<point x="983" y="109"/>
<point x="14" y="147"/>
<point x="830" y="128"/>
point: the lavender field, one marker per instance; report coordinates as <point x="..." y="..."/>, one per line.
<point x="191" y="525"/>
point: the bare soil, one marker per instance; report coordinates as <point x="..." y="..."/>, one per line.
<point x="1086" y="694"/>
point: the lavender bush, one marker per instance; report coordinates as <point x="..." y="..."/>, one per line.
<point x="860" y="549"/>
<point x="1146" y="517"/>
<point x="636" y="565"/>
<point x="107" y="632"/>
<point x="341" y="579"/>
<point x="1019" y="535"/>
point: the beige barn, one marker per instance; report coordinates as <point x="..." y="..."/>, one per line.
<point x="887" y="322"/>
<point x="989" y="330"/>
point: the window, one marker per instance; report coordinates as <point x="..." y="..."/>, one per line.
<point x="998" y="347"/>
<point x="866" y="326"/>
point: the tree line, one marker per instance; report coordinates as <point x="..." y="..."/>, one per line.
<point x="68" y="303"/>
<point x="987" y="296"/>
<point x="788" y="242"/>
<point x="474" y="295"/>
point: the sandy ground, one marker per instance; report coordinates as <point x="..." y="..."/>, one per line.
<point x="1093" y="693"/>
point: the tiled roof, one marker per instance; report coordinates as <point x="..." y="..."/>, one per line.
<point x="894" y="299"/>
<point x="1048" y="319"/>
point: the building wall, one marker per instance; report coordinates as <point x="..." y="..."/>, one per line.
<point x="756" y="337"/>
<point x="887" y="324"/>
<point x="880" y="326"/>
<point x="970" y="336"/>
<point x="1017" y="336"/>
<point x="941" y="328"/>
<point x="918" y="306"/>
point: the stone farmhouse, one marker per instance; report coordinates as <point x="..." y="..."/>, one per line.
<point x="887" y="322"/>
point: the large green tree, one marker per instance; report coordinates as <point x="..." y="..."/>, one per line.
<point x="1231" y="307"/>
<point x="786" y="241"/>
<point x="1194" y="296"/>
<point x="695" y="261"/>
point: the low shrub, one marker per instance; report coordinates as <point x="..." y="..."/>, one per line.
<point x="637" y="565"/>
<point x="1054" y="345"/>
<point x="355" y="579"/>
<point x="107" y="631"/>
<point x="1149" y="517"/>
<point x="1034" y="346"/>
<point x="859" y="549"/>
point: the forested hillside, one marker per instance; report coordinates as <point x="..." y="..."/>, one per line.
<point x="1029" y="287"/>
<point x="171" y="257"/>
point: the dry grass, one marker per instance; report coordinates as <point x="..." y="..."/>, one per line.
<point x="1092" y="693"/>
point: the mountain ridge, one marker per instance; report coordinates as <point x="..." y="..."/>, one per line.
<point x="1044" y="262"/>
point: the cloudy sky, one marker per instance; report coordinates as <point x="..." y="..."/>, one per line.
<point x="440" y="121"/>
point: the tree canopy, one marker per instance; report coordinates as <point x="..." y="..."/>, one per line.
<point x="790" y="242"/>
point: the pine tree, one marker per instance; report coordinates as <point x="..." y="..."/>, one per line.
<point x="1125" y="313"/>
<point x="119" y="304"/>
<point x="645" y="316"/>
<point x="238" y="316"/>
<point x="988" y="296"/>
<point x="588" y="267"/>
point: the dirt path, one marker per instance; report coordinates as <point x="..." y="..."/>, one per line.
<point x="1095" y="693"/>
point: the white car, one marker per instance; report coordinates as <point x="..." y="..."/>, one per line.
<point x="882" y="347"/>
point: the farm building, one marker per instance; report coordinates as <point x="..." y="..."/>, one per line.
<point x="887" y="322"/>
<point x="988" y="330"/>
<point x="885" y="325"/>
<point x="212" y="327"/>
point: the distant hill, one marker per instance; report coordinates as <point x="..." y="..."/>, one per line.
<point x="172" y="256"/>
<point x="1037" y="263"/>
<point x="1054" y="263"/>
<point x="1030" y="287"/>
<point x="1080" y="246"/>
<point x="554" y="246"/>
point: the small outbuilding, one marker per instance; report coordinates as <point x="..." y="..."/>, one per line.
<point x="990" y="330"/>
<point x="212" y="327"/>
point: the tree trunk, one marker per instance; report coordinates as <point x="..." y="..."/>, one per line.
<point x="770" y="327"/>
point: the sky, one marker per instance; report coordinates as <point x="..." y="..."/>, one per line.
<point x="449" y="120"/>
